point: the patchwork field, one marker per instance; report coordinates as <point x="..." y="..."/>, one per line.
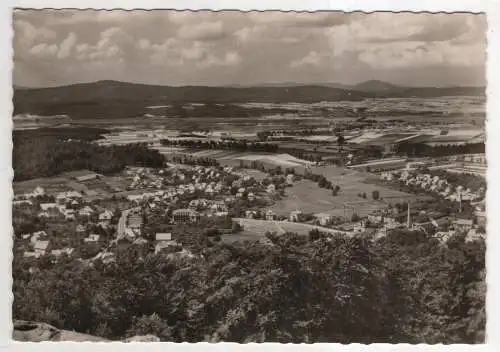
<point x="91" y="189"/>
<point x="50" y="184"/>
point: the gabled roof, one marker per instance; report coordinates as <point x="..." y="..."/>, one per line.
<point x="41" y="245"/>
<point x="163" y="236"/>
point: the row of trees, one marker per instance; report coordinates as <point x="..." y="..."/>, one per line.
<point x="322" y="182"/>
<point x="191" y="160"/>
<point x="238" y="145"/>
<point x="405" y="287"/>
<point x="424" y="150"/>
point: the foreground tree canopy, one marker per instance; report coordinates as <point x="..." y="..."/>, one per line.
<point x="405" y="287"/>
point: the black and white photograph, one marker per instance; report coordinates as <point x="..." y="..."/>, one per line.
<point x="249" y="177"/>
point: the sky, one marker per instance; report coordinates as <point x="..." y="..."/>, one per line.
<point x="60" y="47"/>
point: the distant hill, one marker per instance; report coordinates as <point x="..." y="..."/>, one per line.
<point x="112" y="99"/>
<point x="376" y="86"/>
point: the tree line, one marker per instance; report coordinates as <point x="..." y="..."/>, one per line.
<point x="238" y="145"/>
<point x="422" y="149"/>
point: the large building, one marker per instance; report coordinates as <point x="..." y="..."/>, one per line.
<point x="185" y="216"/>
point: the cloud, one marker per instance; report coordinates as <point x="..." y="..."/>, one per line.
<point x="422" y="54"/>
<point x="66" y="46"/>
<point x="195" y="52"/>
<point x="385" y="27"/>
<point x="186" y="47"/>
<point x="313" y="58"/>
<point x="250" y="33"/>
<point x="229" y="59"/>
<point x="30" y="33"/>
<point x="293" y="19"/>
<point x="44" y="51"/>
<point x="202" y="31"/>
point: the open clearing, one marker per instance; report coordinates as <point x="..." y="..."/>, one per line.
<point x="305" y="195"/>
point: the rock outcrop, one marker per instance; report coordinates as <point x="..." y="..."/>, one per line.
<point x="28" y="331"/>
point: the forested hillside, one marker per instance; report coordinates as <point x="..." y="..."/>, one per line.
<point x="43" y="153"/>
<point x="406" y="287"/>
<point x="112" y="99"/>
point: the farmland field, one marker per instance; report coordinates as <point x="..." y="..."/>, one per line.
<point x="305" y="195"/>
<point x="254" y="227"/>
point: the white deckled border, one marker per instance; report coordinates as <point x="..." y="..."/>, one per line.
<point x="493" y="153"/>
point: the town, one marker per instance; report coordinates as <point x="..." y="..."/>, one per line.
<point x="174" y="207"/>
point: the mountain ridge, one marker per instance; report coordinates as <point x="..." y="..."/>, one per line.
<point x="372" y="84"/>
<point x="115" y="99"/>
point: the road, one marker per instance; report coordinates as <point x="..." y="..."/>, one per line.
<point x="122" y="223"/>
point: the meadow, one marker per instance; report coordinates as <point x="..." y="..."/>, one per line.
<point x="305" y="195"/>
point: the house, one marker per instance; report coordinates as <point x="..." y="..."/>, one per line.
<point x="41" y="247"/>
<point x="92" y="238"/>
<point x="70" y="216"/>
<point x="21" y="202"/>
<point x="270" y="215"/>
<point x="61" y="198"/>
<point x="163" y="237"/>
<point x="359" y="226"/>
<point x="290" y="178"/>
<point x="31" y="254"/>
<point x="251" y="197"/>
<point x="271" y="188"/>
<point x="375" y="218"/>
<point x="86" y="211"/>
<point x="59" y="252"/>
<point x="80" y="229"/>
<point x="47" y="206"/>
<point x="106" y="215"/>
<point x="462" y="224"/>
<point x="38" y="191"/>
<point x="444" y="236"/>
<point x="473" y="235"/>
<point x="480" y="218"/>
<point x="37" y="235"/>
<point x="250" y="214"/>
<point x="82" y="176"/>
<point x="209" y="190"/>
<point x="185" y="215"/>
<point x="105" y="257"/>
<point x="162" y="244"/>
<point x="131" y="233"/>
<point x="295" y="216"/>
<point x="323" y="219"/>
<point x="240" y="193"/>
<point x="390" y="222"/>
<point x="43" y="214"/>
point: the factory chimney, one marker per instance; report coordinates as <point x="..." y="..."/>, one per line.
<point x="408" y="219"/>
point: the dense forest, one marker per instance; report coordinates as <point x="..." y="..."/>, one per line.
<point x="37" y="154"/>
<point x="405" y="287"/>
